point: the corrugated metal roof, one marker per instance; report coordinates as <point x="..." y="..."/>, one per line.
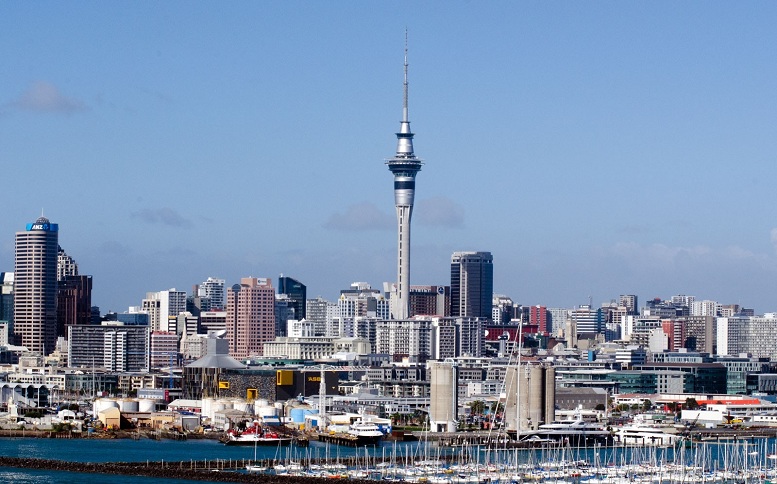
<point x="216" y="361"/>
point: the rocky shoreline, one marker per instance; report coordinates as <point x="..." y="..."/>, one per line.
<point x="108" y="434"/>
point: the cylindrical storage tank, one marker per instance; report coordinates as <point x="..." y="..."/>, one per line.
<point x="217" y="406"/>
<point x="265" y="411"/>
<point x="298" y="414"/>
<point x="443" y="388"/>
<point x="262" y="402"/>
<point x="536" y="387"/>
<point x="207" y="407"/>
<point x="128" y="405"/>
<point x="242" y="405"/>
<point x="146" y="405"/>
<point x="102" y="404"/>
<point x="523" y="397"/>
<point x="511" y="404"/>
<point x="550" y="394"/>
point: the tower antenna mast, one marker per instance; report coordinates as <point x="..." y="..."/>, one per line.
<point x="404" y="166"/>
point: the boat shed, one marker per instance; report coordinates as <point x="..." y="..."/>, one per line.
<point x="110" y="418"/>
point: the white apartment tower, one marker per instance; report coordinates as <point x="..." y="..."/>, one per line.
<point x="163" y="308"/>
<point x="213" y="289"/>
<point x="66" y="265"/>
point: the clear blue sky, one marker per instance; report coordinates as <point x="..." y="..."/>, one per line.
<point x="595" y="148"/>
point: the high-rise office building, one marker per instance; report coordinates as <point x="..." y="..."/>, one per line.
<point x="211" y="321"/>
<point x="284" y="312"/>
<point x="316" y="310"/>
<point x="163" y="308"/>
<point x="250" y="316"/>
<point x="472" y="284"/>
<point x="430" y="300"/>
<point x="74" y="302"/>
<point x="404" y="165"/>
<point x="35" y="286"/>
<point x="6" y="299"/>
<point x="6" y="308"/>
<point x="588" y="321"/>
<point x="538" y="316"/>
<point x="296" y="293"/>
<point x="503" y="309"/>
<point x="629" y="301"/>
<point x="113" y="346"/>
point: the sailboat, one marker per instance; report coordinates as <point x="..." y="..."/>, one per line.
<point x="252" y="467"/>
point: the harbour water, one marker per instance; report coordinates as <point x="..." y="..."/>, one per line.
<point x="739" y="455"/>
<point x="128" y="450"/>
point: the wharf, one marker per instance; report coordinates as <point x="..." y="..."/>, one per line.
<point x="337" y="438"/>
<point x="480" y="437"/>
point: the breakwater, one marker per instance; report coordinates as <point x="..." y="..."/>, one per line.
<point x="210" y="472"/>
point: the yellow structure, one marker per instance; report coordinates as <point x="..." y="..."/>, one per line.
<point x="110" y="418"/>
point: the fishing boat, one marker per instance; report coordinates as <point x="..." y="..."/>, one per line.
<point x="256" y="435"/>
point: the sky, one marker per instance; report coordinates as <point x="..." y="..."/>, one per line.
<point x="594" y="148"/>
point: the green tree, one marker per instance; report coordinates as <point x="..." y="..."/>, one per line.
<point x="477" y="407"/>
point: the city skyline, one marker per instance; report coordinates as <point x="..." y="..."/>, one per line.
<point x="594" y="150"/>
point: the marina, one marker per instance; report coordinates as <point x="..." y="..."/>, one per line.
<point x="752" y="460"/>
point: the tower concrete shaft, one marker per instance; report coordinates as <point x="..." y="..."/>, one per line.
<point x="404" y="165"/>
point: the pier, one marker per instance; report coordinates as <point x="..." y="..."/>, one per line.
<point x="337" y="439"/>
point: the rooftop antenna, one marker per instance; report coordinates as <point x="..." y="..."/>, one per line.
<point x="405" y="116"/>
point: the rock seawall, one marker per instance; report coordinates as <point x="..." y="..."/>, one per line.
<point x="160" y="470"/>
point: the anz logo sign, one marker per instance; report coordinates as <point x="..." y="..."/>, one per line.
<point x="46" y="227"/>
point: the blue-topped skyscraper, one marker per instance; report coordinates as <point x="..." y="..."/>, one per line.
<point x="35" y="286"/>
<point x="404" y="165"/>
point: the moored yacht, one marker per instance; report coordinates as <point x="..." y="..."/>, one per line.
<point x="366" y="433"/>
<point x="640" y="433"/>
<point x="575" y="431"/>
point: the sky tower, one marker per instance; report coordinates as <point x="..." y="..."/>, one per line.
<point x="404" y="165"/>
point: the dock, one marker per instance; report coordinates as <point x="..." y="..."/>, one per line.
<point x="336" y="438"/>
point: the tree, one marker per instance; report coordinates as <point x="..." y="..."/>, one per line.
<point x="497" y="407"/>
<point x="691" y="403"/>
<point x="477" y="407"/>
